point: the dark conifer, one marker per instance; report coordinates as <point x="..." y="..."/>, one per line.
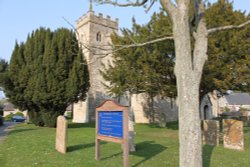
<point x="47" y="73"/>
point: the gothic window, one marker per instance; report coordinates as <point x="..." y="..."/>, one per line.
<point x="98" y="37"/>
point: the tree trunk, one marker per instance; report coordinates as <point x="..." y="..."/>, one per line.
<point x="126" y="100"/>
<point x="131" y="127"/>
<point x="188" y="70"/>
<point x="189" y="127"/>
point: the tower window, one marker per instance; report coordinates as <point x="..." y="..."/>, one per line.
<point x="98" y="37"/>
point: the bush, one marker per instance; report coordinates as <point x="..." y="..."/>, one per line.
<point x="1" y="120"/>
<point x="19" y="114"/>
<point x="50" y="118"/>
<point x="244" y="109"/>
<point x="8" y="117"/>
<point x="69" y="115"/>
<point x="44" y="118"/>
<point x="1" y="111"/>
<point x="226" y="109"/>
<point x="36" y="118"/>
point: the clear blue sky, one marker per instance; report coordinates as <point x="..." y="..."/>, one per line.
<point x="20" y="17"/>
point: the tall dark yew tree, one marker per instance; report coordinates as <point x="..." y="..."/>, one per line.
<point x="228" y="64"/>
<point x="47" y="73"/>
<point x="146" y="69"/>
<point x="227" y="67"/>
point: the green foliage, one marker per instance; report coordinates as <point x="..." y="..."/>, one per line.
<point x="19" y="114"/>
<point x="3" y="70"/>
<point x="1" y="111"/>
<point x="46" y="74"/>
<point x="1" y="120"/>
<point x="228" y="64"/>
<point x="144" y="69"/>
<point x="244" y="109"/>
<point x="150" y="68"/>
<point x="69" y="115"/>
<point x="36" y="118"/>
<point x="226" y="109"/>
<point x="50" y="118"/>
<point x="3" y="65"/>
<point x="8" y="117"/>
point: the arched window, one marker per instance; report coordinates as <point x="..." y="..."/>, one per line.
<point x="206" y="112"/>
<point x="98" y="37"/>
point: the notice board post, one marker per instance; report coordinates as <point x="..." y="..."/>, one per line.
<point x="112" y="126"/>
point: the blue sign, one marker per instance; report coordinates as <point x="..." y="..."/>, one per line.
<point x="110" y="123"/>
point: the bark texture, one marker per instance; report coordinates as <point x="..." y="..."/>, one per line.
<point x="188" y="70"/>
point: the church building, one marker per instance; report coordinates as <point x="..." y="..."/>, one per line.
<point x="94" y="36"/>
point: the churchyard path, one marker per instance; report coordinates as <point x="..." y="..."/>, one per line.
<point x="5" y="129"/>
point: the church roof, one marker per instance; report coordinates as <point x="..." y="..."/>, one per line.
<point x="238" y="99"/>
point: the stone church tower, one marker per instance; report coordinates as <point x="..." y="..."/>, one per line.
<point x="94" y="31"/>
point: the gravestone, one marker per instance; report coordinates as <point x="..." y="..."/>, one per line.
<point x="61" y="134"/>
<point x="233" y="134"/>
<point x="211" y="131"/>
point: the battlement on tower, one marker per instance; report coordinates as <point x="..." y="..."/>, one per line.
<point x="97" y="19"/>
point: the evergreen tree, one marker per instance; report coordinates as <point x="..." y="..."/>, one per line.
<point x="3" y="70"/>
<point x="144" y="69"/>
<point x="47" y="73"/>
<point x="3" y="66"/>
<point x="228" y="65"/>
<point x="150" y="68"/>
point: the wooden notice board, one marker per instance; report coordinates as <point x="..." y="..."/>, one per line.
<point x="112" y="126"/>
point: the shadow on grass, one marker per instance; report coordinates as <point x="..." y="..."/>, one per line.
<point x="81" y="125"/>
<point x="207" y="155"/>
<point x="147" y="149"/>
<point x="170" y="125"/>
<point x="81" y="146"/>
<point x="111" y="156"/>
<point x="19" y="131"/>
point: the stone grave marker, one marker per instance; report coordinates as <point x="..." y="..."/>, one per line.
<point x="233" y="137"/>
<point x="61" y="134"/>
<point x="211" y="131"/>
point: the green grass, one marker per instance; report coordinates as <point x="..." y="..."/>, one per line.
<point x="28" y="146"/>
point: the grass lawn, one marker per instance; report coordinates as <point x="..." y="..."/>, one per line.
<point x="28" y="145"/>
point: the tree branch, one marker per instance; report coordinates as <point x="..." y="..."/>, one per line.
<point x="201" y="41"/>
<point x="152" y="3"/>
<point x="78" y="36"/>
<point x="200" y="47"/>
<point x="136" y="45"/>
<point x="212" y="30"/>
<point x="168" y="6"/>
<point x="115" y="3"/>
